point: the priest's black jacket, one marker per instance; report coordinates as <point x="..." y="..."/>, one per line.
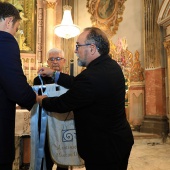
<point x="14" y="89"/>
<point x="97" y="98"/>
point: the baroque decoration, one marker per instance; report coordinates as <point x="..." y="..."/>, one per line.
<point x="25" y="36"/>
<point x="130" y="64"/>
<point x="106" y="14"/>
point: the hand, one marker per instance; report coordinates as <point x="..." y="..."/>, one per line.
<point x="46" y="71"/>
<point x="39" y="99"/>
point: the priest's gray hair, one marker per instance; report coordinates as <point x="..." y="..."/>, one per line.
<point x="98" y="37"/>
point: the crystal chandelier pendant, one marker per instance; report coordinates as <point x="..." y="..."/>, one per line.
<point x="67" y="29"/>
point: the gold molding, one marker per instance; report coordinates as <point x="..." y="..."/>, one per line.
<point x="29" y="9"/>
<point x="26" y="35"/>
<point x="51" y="5"/>
<point x="106" y="14"/>
<point x="167" y="46"/>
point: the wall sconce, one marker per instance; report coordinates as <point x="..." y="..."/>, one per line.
<point x="67" y="29"/>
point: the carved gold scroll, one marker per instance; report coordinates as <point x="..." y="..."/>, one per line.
<point x="106" y="14"/>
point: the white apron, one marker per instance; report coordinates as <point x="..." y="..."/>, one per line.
<point x="63" y="149"/>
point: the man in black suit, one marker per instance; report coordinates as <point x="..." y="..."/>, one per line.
<point x="97" y="98"/>
<point x="14" y="88"/>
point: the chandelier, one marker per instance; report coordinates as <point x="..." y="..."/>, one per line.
<point x="67" y="29"/>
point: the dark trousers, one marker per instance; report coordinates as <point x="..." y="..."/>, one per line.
<point x="122" y="165"/>
<point x="6" y="166"/>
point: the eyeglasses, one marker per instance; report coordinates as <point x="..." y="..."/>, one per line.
<point x="79" y="45"/>
<point x="55" y="58"/>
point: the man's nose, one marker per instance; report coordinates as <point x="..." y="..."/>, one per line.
<point x="75" y="51"/>
<point x="55" y="61"/>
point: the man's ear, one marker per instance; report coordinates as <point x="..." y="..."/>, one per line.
<point x="48" y="62"/>
<point x="8" y="22"/>
<point x="93" y="49"/>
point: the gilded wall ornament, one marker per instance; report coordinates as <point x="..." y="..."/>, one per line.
<point x="106" y="14"/>
<point x="131" y="65"/>
<point x="26" y="35"/>
<point x="167" y="46"/>
<point x="51" y="5"/>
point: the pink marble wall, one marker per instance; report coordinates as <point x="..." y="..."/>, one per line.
<point x="155" y="97"/>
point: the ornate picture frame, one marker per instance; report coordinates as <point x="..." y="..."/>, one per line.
<point x="26" y="35"/>
<point x="106" y="14"/>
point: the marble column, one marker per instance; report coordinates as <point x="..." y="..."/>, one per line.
<point x="50" y="22"/>
<point x="167" y="47"/>
<point x="155" y="120"/>
<point x="39" y="44"/>
<point x="136" y="104"/>
<point x="136" y="92"/>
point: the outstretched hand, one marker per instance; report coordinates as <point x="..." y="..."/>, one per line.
<point x="46" y="71"/>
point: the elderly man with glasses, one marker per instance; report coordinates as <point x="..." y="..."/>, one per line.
<point x="56" y="62"/>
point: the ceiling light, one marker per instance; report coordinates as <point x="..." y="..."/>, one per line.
<point x="67" y="29"/>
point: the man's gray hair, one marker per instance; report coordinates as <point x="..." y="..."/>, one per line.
<point x="56" y="50"/>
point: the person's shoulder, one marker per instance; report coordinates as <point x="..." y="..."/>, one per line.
<point x="6" y="35"/>
<point x="36" y="78"/>
<point x="8" y="40"/>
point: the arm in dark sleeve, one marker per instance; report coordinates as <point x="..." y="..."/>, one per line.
<point x="13" y="80"/>
<point x="79" y="95"/>
<point x="65" y="80"/>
